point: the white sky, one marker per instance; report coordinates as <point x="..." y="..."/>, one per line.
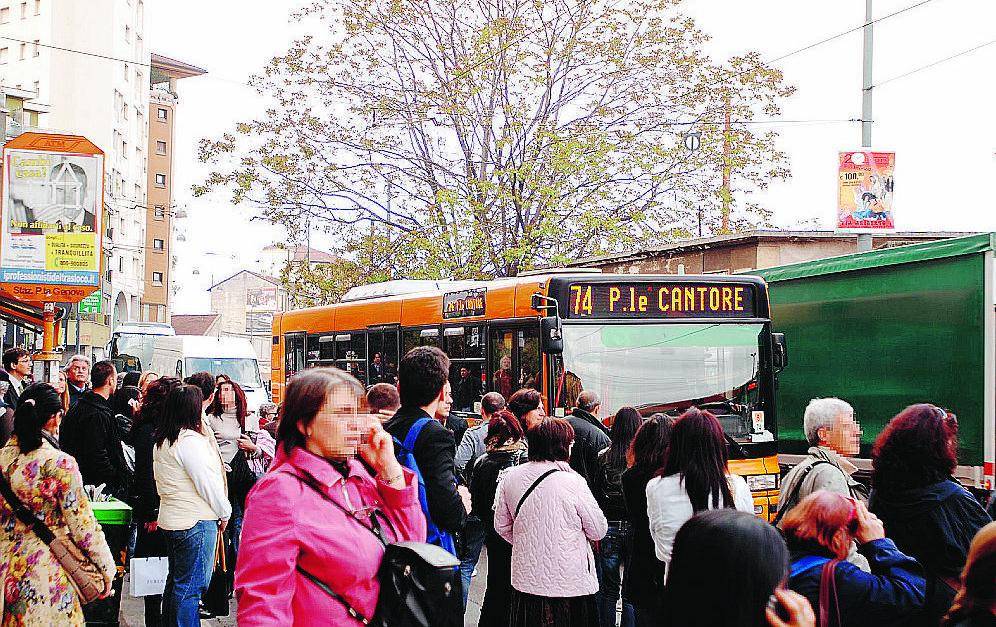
<point x="939" y="121"/>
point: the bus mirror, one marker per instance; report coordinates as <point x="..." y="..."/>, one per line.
<point x="552" y="335"/>
<point x="779" y="358"/>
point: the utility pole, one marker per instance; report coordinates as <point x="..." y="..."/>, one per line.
<point x="725" y="191"/>
<point x="865" y="239"/>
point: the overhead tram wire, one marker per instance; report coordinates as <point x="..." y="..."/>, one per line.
<point x="935" y="63"/>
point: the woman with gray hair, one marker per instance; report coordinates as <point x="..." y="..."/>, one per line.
<point x="833" y="435"/>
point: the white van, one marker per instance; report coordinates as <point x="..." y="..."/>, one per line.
<point x="183" y="355"/>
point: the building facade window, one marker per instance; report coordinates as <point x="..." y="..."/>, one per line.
<point x="162" y="114"/>
<point x="120" y="264"/>
<point x="127" y="33"/>
<point x="160" y="180"/>
<point x="160" y="147"/>
<point x="37" y="7"/>
<point x="145" y="313"/>
<point x="160" y="313"/>
<point x="36" y="49"/>
<point x="160" y="212"/>
<point x="3" y="55"/>
<point x="127" y="73"/>
<point x="157" y="244"/>
<point x="24" y="51"/>
<point x="4" y="15"/>
<point x="157" y="278"/>
<point x="24" y="10"/>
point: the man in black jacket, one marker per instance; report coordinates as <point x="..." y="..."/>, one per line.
<point x="89" y="433"/>
<point x="423" y="378"/>
<point x="423" y="384"/>
<point x="590" y="436"/>
<point x="16" y="372"/>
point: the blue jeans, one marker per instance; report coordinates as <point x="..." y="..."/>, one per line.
<point x="191" y="562"/>
<point x="470" y="551"/>
<point x="613" y="555"/>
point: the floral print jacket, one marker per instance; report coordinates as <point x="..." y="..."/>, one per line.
<point x="36" y="590"/>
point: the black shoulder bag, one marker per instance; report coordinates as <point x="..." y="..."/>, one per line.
<point x="417" y="579"/>
<point x="243" y="478"/>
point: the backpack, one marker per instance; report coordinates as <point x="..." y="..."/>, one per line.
<point x="405" y="452"/>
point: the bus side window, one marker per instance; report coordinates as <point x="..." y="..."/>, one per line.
<point x="383" y="356"/>
<point x="179" y="369"/>
<point x="410" y="338"/>
<point x="351" y="354"/>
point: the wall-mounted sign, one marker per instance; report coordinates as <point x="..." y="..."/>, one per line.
<point x="50" y="217"/>
<point x="464" y="304"/>
<point x="865" y="190"/>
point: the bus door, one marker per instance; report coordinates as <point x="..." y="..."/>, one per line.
<point x="514" y="358"/>
<point x="465" y="346"/>
<point x="382" y="355"/>
<point x="294" y="355"/>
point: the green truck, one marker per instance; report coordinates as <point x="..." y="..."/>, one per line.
<point x="888" y="328"/>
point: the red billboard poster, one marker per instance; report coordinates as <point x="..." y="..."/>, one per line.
<point x="865" y="191"/>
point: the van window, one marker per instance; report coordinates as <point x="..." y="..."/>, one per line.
<point x="242" y="370"/>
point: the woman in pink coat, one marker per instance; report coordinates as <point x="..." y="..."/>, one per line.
<point x="549" y="516"/>
<point x="295" y="542"/>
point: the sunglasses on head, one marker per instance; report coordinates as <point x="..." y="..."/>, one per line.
<point x="945" y="415"/>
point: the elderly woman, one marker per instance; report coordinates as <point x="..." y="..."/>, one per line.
<point x="36" y="589"/>
<point x="312" y="513"/>
<point x="929" y="515"/>
<point x="550" y="517"/>
<point x="820" y="531"/>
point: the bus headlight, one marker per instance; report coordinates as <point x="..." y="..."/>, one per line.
<point x="761" y="482"/>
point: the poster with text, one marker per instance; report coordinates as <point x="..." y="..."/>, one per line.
<point x="51" y="218"/>
<point x="865" y="189"/>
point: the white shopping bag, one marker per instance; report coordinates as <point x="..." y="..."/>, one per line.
<point x="148" y="575"/>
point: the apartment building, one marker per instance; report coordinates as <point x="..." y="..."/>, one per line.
<point x="93" y="81"/>
<point x="160" y="212"/>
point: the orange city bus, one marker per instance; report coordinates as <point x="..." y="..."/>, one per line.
<point x="660" y="343"/>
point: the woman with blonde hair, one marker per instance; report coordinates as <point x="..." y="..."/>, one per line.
<point x="62" y="387"/>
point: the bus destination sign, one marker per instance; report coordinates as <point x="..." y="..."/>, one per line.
<point x="654" y="299"/>
<point x="464" y="304"/>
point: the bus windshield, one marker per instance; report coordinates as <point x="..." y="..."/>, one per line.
<point x="668" y="368"/>
<point x="242" y="370"/>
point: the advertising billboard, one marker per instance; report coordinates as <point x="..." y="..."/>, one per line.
<point x="865" y="189"/>
<point x="50" y="217"/>
<point x="261" y="299"/>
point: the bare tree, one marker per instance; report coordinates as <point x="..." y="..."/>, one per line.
<point x="478" y="138"/>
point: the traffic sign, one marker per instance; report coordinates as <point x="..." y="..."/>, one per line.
<point x="693" y="141"/>
<point x="91" y="304"/>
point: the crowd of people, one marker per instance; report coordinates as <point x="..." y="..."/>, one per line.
<point x="584" y="525"/>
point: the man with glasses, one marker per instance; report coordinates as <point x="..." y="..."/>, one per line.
<point x="16" y="371"/>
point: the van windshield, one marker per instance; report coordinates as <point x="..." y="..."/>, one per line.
<point x="242" y="370"/>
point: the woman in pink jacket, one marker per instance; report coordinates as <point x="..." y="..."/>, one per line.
<point x="295" y="542"/>
<point x="549" y="516"/>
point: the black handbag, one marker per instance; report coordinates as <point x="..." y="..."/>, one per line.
<point x="419" y="582"/>
<point x="241" y="478"/>
<point x="219" y="591"/>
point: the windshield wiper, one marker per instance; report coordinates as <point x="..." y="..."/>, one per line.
<point x="741" y="451"/>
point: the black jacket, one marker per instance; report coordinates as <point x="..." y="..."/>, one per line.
<point x="644" y="580"/>
<point x="74" y="394"/>
<point x="608" y="487"/>
<point x="145" y="500"/>
<point x="934" y="524"/>
<point x="466" y="392"/>
<point x="457" y="426"/>
<point x="10" y="396"/>
<point x="891" y="594"/>
<point x="434" y="451"/>
<point x="486" y="470"/>
<point x="590" y="438"/>
<point x="89" y="433"/>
